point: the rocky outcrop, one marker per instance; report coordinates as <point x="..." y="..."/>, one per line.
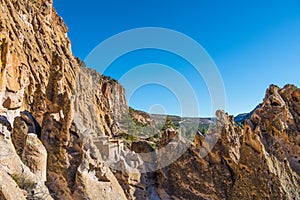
<point x="19" y="181"/>
<point x="136" y="183"/>
<point x="206" y="171"/>
<point x="259" y="162"/>
<point x="27" y="144"/>
<point x="278" y="122"/>
<point x="9" y="188"/>
<point x="261" y="175"/>
<point x="270" y="148"/>
<point x="265" y="164"/>
<point x="35" y="156"/>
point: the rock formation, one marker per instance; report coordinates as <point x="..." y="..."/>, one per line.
<point x="269" y="164"/>
<point x="38" y="76"/>
<point x="59" y="122"/>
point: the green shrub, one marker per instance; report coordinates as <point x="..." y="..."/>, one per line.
<point x="23" y="183"/>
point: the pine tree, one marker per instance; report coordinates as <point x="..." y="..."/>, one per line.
<point x="168" y="124"/>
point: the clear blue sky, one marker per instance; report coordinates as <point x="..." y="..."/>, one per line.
<point x="253" y="43"/>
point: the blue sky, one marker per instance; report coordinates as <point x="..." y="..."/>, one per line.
<point x="253" y="43"/>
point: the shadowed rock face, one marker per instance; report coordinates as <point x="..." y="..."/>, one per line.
<point x="53" y="109"/>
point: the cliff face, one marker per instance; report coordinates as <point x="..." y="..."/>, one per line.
<point x="55" y="115"/>
<point x="43" y="150"/>
<point x="270" y="148"/>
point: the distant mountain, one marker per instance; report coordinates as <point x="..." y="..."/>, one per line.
<point x="242" y="117"/>
<point x="189" y="120"/>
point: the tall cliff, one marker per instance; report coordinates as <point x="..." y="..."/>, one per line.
<point x="56" y="118"/>
<point x="43" y="150"/>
